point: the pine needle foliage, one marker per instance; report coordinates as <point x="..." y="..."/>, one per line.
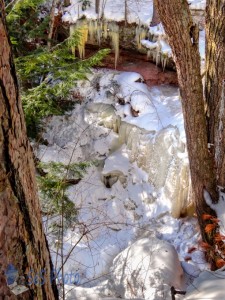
<point x="47" y="78"/>
<point x="27" y="23"/>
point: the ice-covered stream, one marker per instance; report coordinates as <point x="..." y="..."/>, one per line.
<point x="134" y="195"/>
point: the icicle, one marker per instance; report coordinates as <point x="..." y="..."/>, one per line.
<point x="83" y="39"/>
<point x="114" y="35"/>
<point x="164" y="61"/>
<point x="72" y="30"/>
<point x="99" y="32"/>
<point x="92" y="29"/>
<point x="83" y="28"/>
<point x="105" y="30"/>
<point x="157" y="56"/>
<point x="141" y="34"/>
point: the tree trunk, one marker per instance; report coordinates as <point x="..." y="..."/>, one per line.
<point x="155" y="18"/>
<point x="97" y="6"/>
<point x="22" y="239"/>
<point x="183" y="38"/>
<point x="215" y="83"/>
<point x="52" y="24"/>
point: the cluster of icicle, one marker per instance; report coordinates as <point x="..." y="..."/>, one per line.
<point x="98" y="30"/>
<point x="157" y="45"/>
<point x="95" y="31"/>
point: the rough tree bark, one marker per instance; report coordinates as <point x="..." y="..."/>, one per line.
<point x="52" y="24"/>
<point x="155" y="18"/>
<point x="183" y="38"/>
<point x="215" y="83"/>
<point x="97" y="6"/>
<point x="22" y="239"/>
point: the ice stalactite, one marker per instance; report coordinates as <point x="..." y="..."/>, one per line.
<point x="164" y="59"/>
<point x="115" y="39"/>
<point x="141" y="34"/>
<point x="105" y="30"/>
<point x="96" y="31"/>
<point x="82" y="26"/>
<point x="72" y="30"/>
<point x="92" y="30"/>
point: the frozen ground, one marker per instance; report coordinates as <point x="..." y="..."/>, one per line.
<point x="138" y="186"/>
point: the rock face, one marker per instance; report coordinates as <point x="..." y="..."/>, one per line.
<point x="147" y="269"/>
<point x="131" y="61"/>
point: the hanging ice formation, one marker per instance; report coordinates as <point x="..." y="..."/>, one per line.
<point x="81" y="25"/>
<point x="115" y="37"/>
<point x="141" y="34"/>
<point x="157" y="46"/>
<point x="96" y="31"/>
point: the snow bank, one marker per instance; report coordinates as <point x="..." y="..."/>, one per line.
<point x="197" y="4"/>
<point x="141" y="175"/>
<point x="209" y="285"/>
<point x="147" y="269"/>
<point x="139" y="12"/>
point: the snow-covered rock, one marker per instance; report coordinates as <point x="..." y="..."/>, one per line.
<point x="147" y="269"/>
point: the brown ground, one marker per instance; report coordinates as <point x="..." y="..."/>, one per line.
<point x="134" y="62"/>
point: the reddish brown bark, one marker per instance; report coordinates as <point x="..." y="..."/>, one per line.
<point x="183" y="38"/>
<point x="215" y="83"/>
<point x="22" y="239"/>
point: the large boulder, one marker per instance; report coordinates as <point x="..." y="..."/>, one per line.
<point x="147" y="269"/>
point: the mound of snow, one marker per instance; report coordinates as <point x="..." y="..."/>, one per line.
<point x="147" y="269"/>
<point x="209" y="285"/>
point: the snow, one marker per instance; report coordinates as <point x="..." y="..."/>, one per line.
<point x="140" y="179"/>
<point x="139" y="12"/>
<point x="219" y="208"/>
<point x="197" y="4"/>
<point x="209" y="285"/>
<point x="145" y="266"/>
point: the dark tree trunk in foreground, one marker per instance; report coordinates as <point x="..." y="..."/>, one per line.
<point x="215" y="82"/>
<point x="22" y="240"/>
<point x="183" y="38"/>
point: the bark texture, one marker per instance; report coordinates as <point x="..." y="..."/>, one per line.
<point x="22" y="239"/>
<point x="215" y="82"/>
<point x="155" y="18"/>
<point x="183" y="38"/>
<point x="52" y="24"/>
<point x="97" y="6"/>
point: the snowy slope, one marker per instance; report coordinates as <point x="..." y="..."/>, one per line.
<point x="131" y="193"/>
